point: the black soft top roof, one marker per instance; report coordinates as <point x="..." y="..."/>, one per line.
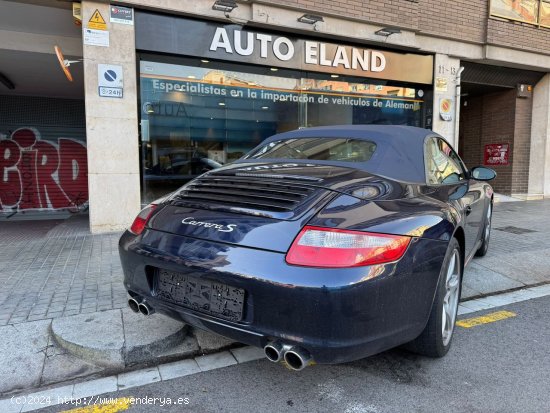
<point x="399" y="154"/>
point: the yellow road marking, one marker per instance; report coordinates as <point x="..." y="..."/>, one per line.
<point x="114" y="406"/>
<point x="485" y="319"/>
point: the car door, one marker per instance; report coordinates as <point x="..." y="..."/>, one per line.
<point x="473" y="203"/>
<point x="444" y="167"/>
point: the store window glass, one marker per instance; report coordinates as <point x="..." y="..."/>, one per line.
<point x="522" y="10"/>
<point x="197" y="115"/>
<point x="545" y="13"/>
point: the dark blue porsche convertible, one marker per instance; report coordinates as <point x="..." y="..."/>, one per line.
<point x="324" y="244"/>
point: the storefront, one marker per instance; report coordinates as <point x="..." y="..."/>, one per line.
<point x="197" y="84"/>
<point x="210" y="92"/>
<point x="43" y="156"/>
<point x="43" y="146"/>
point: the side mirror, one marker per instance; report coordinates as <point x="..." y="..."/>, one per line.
<point x="481" y="173"/>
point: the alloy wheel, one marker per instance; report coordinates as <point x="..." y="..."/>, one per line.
<point x="450" y="301"/>
<point x="488" y="224"/>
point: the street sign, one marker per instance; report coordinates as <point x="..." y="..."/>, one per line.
<point x="93" y="37"/>
<point x="110" y="80"/>
<point x="110" y="92"/>
<point x="496" y="154"/>
<point x="122" y="15"/>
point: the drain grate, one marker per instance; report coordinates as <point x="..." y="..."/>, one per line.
<point x="515" y="230"/>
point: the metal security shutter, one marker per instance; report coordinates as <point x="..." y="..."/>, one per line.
<point x="43" y="160"/>
<point x="504" y="77"/>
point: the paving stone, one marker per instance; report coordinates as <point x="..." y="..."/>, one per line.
<point x="54" y="314"/>
<point x="9" y="406"/>
<point x="115" y="339"/>
<point x="215" y="361"/>
<point x="248" y="353"/>
<point x="468" y="292"/>
<point x="210" y="342"/>
<point x="187" y="348"/>
<point x="484" y="280"/>
<point x="70" y="312"/>
<point x="17" y="320"/>
<point x="59" y="365"/>
<point x="138" y="378"/>
<point x="47" y="398"/>
<point x="36" y="317"/>
<point x="178" y="369"/>
<point x="145" y="337"/>
<point x="95" y="387"/>
<point x="22" y="349"/>
<point x="97" y="337"/>
<point x="522" y="267"/>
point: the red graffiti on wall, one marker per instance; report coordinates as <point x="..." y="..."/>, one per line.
<point x="37" y="174"/>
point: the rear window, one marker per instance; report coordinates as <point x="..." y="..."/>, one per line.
<point x="319" y="149"/>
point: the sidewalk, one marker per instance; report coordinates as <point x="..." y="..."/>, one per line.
<point x="63" y="285"/>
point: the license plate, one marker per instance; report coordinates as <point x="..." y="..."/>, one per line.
<point x="201" y="295"/>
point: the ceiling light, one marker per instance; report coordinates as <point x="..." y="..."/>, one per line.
<point x="310" y="19"/>
<point x="334" y="76"/>
<point x="273" y="69"/>
<point x="387" y="31"/>
<point x="221" y="103"/>
<point x="191" y="77"/>
<point x="226" y="6"/>
<point x="265" y="107"/>
<point x="205" y="61"/>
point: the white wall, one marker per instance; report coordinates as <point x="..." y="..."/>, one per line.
<point x="112" y="130"/>
<point x="446" y="68"/>
<point x="539" y="162"/>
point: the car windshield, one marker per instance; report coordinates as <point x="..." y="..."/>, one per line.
<point x="320" y="149"/>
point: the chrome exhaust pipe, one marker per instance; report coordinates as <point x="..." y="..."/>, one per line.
<point x="274" y="352"/>
<point x="297" y="358"/>
<point x="146" y="309"/>
<point x="133" y="304"/>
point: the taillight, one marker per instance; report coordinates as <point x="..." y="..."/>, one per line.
<point x="141" y="220"/>
<point x="337" y="248"/>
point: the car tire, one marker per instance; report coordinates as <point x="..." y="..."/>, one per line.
<point x="435" y="340"/>
<point x="482" y="250"/>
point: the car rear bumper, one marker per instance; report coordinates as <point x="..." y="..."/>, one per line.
<point x="337" y="315"/>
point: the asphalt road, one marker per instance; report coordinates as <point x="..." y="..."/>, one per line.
<point x="503" y="366"/>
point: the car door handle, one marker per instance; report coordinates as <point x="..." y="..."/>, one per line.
<point x="468" y="210"/>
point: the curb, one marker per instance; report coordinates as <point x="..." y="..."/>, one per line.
<point x="115" y="339"/>
<point x="509" y="290"/>
<point x="70" y="393"/>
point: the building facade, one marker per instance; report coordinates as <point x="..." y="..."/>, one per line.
<point x="171" y="91"/>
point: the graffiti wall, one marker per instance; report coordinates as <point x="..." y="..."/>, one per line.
<point x="38" y="174"/>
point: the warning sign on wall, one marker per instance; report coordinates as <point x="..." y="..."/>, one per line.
<point x="496" y="154"/>
<point x="97" y="21"/>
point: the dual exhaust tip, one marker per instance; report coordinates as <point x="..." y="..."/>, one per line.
<point x="295" y="357"/>
<point x="138" y="305"/>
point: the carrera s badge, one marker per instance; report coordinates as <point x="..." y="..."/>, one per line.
<point x="218" y="227"/>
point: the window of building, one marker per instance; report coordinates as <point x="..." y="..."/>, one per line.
<point x="529" y="11"/>
<point x="198" y="114"/>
